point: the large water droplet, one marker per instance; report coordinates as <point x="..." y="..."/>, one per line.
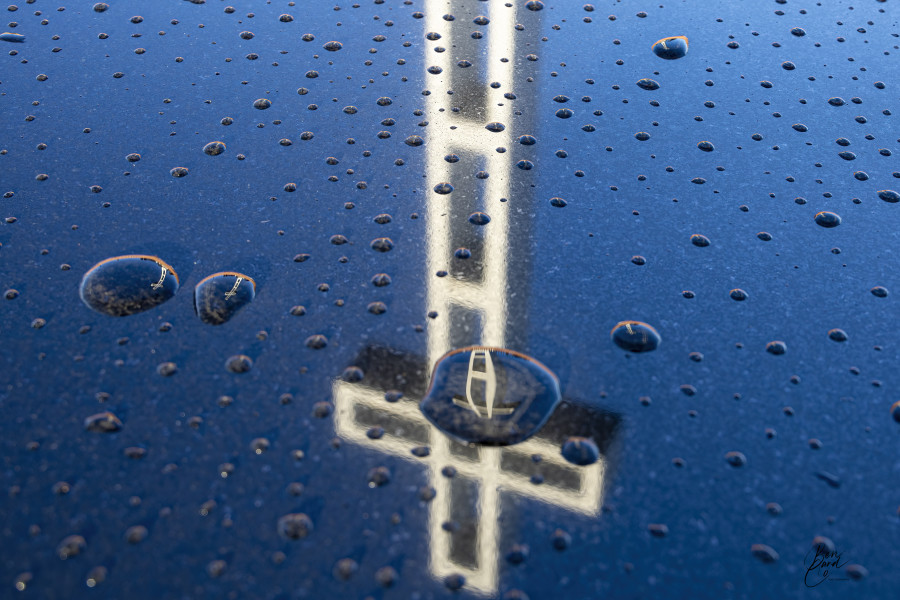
<point x="126" y="285"/>
<point x="490" y="395"/>
<point x="220" y="296"/>
<point x="671" y="48"/>
<point x="635" y="336"/>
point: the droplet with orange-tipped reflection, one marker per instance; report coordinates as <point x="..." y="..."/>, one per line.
<point x="220" y="296"/>
<point x="671" y="48"/>
<point x="129" y="284"/>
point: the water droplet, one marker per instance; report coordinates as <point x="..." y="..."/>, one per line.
<point x="126" y="285"/>
<point x="333" y="46"/>
<point x="479" y="218"/>
<point x="443" y="188"/>
<point x="136" y="534"/>
<point x="642" y="136"/>
<point x="455" y="581"/>
<point x="838" y="335"/>
<point x="104" y="422"/>
<point x="70" y="546"/>
<point x="828" y="219"/>
<point x="776" y="347"/>
<point x="635" y="336"/>
<point x="490" y="395"/>
<point x="495" y="127"/>
<point x="295" y="526"/>
<point x="214" y="148"/>
<point x="764" y="553"/>
<point x="220" y="296"/>
<point x="580" y="451"/>
<point x="262" y="103"/>
<point x="889" y="196"/>
<point x="735" y="458"/>
<point x="879" y="291"/>
<point x="671" y="48"/>
<point x="12" y="37"/>
<point x="647" y="84"/>
<point x="316" y="342"/>
<point x="738" y="294"/>
<point x="379" y="476"/>
<point x="700" y="240"/>
<point x="558" y="202"/>
<point x="706" y="146"/>
<point x="382" y="244"/>
<point x="239" y="363"/>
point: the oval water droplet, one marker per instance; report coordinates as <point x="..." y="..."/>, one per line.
<point x="214" y="148"/>
<point x="828" y="219"/>
<point x="647" y="84"/>
<point x="126" y="285"/>
<point x="635" y="336"/>
<point x="580" y="451"/>
<point x="220" y="296"/>
<point x="889" y="196"/>
<point x="671" y="48"/>
<point x="490" y="395"/>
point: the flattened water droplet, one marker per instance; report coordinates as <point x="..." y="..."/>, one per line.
<point x="764" y="553"/>
<point x="671" y="48"/>
<point x="214" y="148"/>
<point x="220" y="296"/>
<point x="700" y="240"/>
<point x="12" y="37"/>
<point x="295" y="526"/>
<point x="647" y="84"/>
<point x="635" y="336"/>
<point x="776" y="347"/>
<point x="70" y="546"/>
<point x="838" y="335"/>
<point x="443" y="188"/>
<point x="495" y="126"/>
<point x="105" y="422"/>
<point x="580" y="451"/>
<point x="126" y="285"/>
<point x="490" y="395"/>
<point x="828" y="219"/>
<point x="889" y="196"/>
<point x="479" y="218"/>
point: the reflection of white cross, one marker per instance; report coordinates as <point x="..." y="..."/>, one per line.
<point x="483" y="470"/>
<point x="234" y="289"/>
<point x="162" y="278"/>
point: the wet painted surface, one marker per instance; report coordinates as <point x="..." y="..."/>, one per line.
<point x="398" y="180"/>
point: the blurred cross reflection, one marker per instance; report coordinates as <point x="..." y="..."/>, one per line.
<point x="478" y="304"/>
